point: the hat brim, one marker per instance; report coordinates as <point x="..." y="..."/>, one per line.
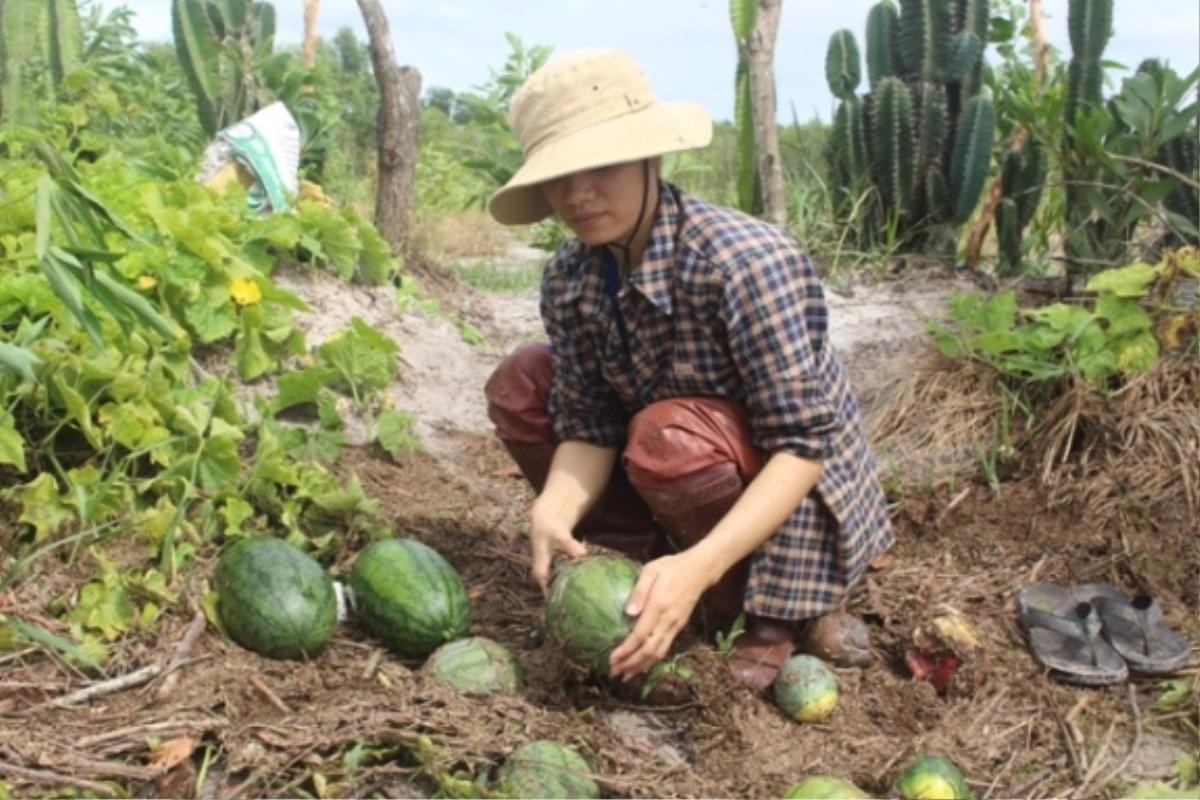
<point x="652" y="131"/>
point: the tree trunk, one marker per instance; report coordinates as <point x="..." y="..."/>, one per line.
<point x="399" y="129"/>
<point x="309" y="52"/>
<point x="761" y="47"/>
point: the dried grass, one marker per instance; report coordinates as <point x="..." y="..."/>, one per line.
<point x="467" y="234"/>
<point x="928" y="426"/>
<point x="1132" y="450"/>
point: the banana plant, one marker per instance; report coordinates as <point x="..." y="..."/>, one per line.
<point x="220" y="44"/>
<point x="919" y="141"/>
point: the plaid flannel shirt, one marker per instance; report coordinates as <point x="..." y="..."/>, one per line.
<point x="725" y="305"/>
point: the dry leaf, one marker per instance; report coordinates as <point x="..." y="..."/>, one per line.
<point x="172" y="752"/>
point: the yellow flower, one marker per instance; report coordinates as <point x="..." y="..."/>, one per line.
<point x="244" y="292"/>
<point x="146" y="282"/>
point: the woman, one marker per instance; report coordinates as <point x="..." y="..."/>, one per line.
<point x="690" y="341"/>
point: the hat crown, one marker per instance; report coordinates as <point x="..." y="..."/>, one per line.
<point x="574" y="92"/>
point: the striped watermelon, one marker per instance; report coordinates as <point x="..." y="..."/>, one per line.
<point x="544" y="769"/>
<point x="476" y="665"/>
<point x="274" y="599"/>
<point x="806" y="689"/>
<point x="585" y="608"/>
<point x="930" y="777"/>
<point x="409" y="596"/>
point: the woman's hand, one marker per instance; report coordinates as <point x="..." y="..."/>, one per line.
<point x="667" y="590"/>
<point x="549" y="533"/>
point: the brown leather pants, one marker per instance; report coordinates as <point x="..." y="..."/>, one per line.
<point x="686" y="461"/>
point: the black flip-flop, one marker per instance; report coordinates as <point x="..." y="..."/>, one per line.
<point x="1065" y="635"/>
<point x="1134" y="627"/>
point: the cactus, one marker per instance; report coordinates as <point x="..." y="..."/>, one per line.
<point x="969" y="162"/>
<point x="1089" y="23"/>
<point x="842" y="71"/>
<point x="1021" y="180"/>
<point x="892" y="142"/>
<point x="218" y="42"/>
<point x="741" y="15"/>
<point x="925" y="31"/>
<point x="924" y="115"/>
<point x="40" y="43"/>
<point x="883" y="42"/>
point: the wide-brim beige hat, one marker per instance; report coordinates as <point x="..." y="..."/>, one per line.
<point x="589" y="109"/>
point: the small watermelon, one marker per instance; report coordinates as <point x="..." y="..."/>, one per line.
<point x="274" y="599"/>
<point x="824" y="787"/>
<point x="544" y="769"/>
<point x="476" y="665"/>
<point x="585" y="608"/>
<point x="806" y="689"/>
<point x="409" y="596"/>
<point x="932" y="778"/>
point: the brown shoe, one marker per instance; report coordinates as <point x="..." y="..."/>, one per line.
<point x="761" y="650"/>
<point x="838" y="638"/>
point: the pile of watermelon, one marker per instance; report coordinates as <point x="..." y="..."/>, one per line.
<point x="925" y="777"/>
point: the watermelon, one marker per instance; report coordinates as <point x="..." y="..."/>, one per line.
<point x="585" y="608"/>
<point x="546" y="769"/>
<point x="806" y="689"/>
<point x="274" y="599"/>
<point x="932" y="778"/>
<point x="824" y="787"/>
<point x="476" y="665"/>
<point x="409" y="596"/>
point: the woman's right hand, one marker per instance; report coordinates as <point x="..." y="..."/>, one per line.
<point x="549" y="533"/>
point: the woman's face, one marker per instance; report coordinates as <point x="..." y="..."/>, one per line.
<point x="600" y="205"/>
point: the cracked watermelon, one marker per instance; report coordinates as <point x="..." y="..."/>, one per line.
<point x="476" y="665"/>
<point x="585" y="608"/>
<point x="274" y="599"/>
<point x="544" y="769"/>
<point x="409" y="596"/>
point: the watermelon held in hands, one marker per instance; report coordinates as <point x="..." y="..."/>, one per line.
<point x="824" y="787"/>
<point x="476" y="665"/>
<point x="546" y="769"/>
<point x="274" y="599"/>
<point x="409" y="596"/>
<point x="806" y="689"/>
<point x="585" y="608"/>
<point x="932" y="778"/>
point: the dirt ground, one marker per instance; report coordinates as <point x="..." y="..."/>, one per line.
<point x="358" y="722"/>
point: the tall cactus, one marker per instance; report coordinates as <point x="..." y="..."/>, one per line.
<point x="741" y="15"/>
<point x="1089" y="23"/>
<point x="40" y="43"/>
<point x="1021" y="180"/>
<point x="929" y="129"/>
<point x="218" y="43"/>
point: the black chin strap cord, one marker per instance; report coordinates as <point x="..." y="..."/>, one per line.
<point x="626" y="258"/>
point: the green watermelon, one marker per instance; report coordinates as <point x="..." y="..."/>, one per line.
<point x="409" y="596"/>
<point x="274" y="599"/>
<point x="824" y="787"/>
<point x="585" y="608"/>
<point x="932" y="778"/>
<point x="545" y="769"/>
<point x="476" y="665"/>
<point x="806" y="689"/>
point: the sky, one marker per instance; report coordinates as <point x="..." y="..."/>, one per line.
<point x="686" y="47"/>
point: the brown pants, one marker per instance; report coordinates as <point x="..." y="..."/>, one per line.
<point x="686" y="461"/>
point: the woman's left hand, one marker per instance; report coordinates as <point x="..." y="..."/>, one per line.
<point x="667" y="590"/>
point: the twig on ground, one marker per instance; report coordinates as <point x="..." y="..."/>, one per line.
<point x="1003" y="771"/>
<point x="1069" y="734"/>
<point x="958" y="498"/>
<point x="141" y="732"/>
<point x="1025" y="788"/>
<point x="135" y="678"/>
<point x="273" y="698"/>
<point x="170" y="676"/>
<point x="372" y="665"/>
<point x="1133" y="746"/>
<point x="53" y="778"/>
<point x="1098" y="760"/>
